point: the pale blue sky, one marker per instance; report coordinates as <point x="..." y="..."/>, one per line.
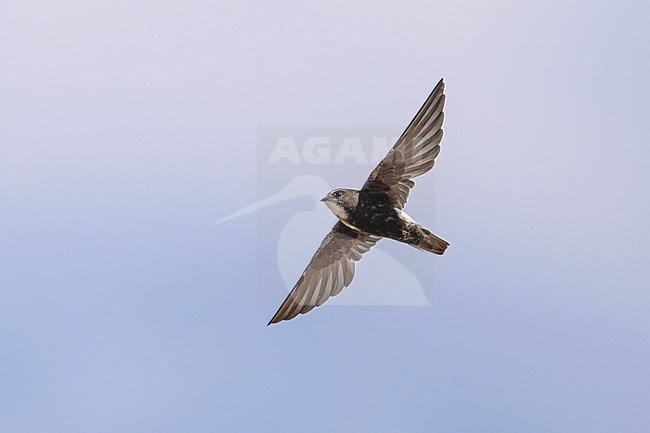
<point x="129" y="127"/>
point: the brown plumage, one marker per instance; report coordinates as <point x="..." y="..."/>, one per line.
<point x="372" y="213"/>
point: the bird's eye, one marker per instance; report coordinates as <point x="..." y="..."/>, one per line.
<point x="337" y="194"/>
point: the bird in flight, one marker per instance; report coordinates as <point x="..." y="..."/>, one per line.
<point x="374" y="212"/>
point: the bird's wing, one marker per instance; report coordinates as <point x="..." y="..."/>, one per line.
<point x="329" y="271"/>
<point x="413" y="154"/>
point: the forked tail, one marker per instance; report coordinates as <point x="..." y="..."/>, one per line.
<point x="425" y="240"/>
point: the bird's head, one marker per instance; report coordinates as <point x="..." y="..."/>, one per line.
<point x="342" y="201"/>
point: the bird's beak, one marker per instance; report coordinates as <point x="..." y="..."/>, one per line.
<point x="324" y="198"/>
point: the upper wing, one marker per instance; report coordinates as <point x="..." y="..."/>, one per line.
<point x="414" y="153"/>
<point x="331" y="269"/>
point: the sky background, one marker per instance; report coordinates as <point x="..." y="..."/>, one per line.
<point x="129" y="127"/>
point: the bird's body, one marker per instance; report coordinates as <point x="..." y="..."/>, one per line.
<point x="374" y="212"/>
<point x="376" y="215"/>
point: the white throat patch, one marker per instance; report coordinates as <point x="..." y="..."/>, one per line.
<point x="337" y="209"/>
